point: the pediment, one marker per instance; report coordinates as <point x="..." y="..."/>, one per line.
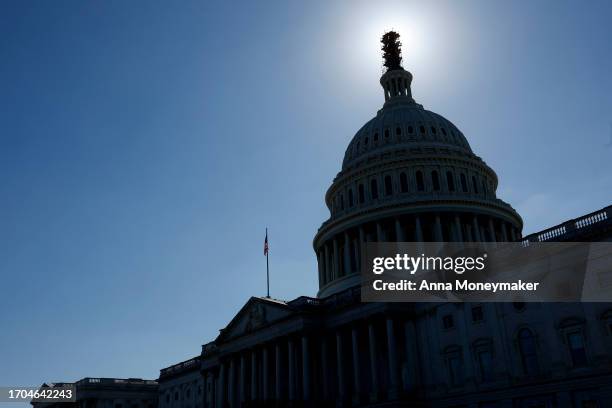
<point x="255" y="314"/>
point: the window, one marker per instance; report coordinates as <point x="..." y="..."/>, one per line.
<point x="454" y="368"/>
<point x="357" y="147"/>
<point x="376" y="137"/>
<point x="450" y="180"/>
<point x="374" y="189"/>
<point x="386" y="133"/>
<point x="454" y="365"/>
<point x="167" y="398"/>
<point x="403" y="183"/>
<point x="474" y="185"/>
<point x="350" y="197"/>
<point x="410" y="129"/>
<point x="477" y="314"/>
<point x="527" y="348"/>
<point x="188" y="392"/>
<point x="398" y="131"/>
<point x="484" y="187"/>
<point x="464" y="187"/>
<point x="176" y="395"/>
<point x="341" y="202"/>
<point x="448" y="322"/>
<point x="435" y="181"/>
<point x="388" y="185"/>
<point x="365" y="141"/>
<point x="485" y="364"/>
<point x="575" y="342"/>
<point x="443" y="131"/>
<point x="422" y="129"/>
<point x="361" y="194"/>
<point x="419" y="181"/>
<point x="433" y="130"/>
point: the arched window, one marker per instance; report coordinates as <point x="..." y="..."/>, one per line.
<point x="435" y="180"/>
<point x="388" y="186"/>
<point x="374" y="189"/>
<point x="474" y="185"/>
<point x="527" y="348"/>
<point x="350" y="197"/>
<point x="376" y="137"/>
<point x="422" y="129"/>
<point x="403" y="182"/>
<point x="341" y="202"/>
<point x="398" y="131"/>
<point x="484" y="187"/>
<point x="419" y="180"/>
<point x="450" y="181"/>
<point x="386" y="133"/>
<point x="464" y="186"/>
<point x="410" y="129"/>
<point x="361" y="194"/>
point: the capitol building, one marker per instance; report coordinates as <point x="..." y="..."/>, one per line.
<point x="408" y="175"/>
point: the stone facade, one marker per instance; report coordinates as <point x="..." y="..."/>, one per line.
<point x="111" y="393"/>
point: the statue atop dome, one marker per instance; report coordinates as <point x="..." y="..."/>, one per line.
<point x="392" y="50"/>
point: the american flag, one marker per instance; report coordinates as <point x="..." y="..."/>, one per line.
<point x="266" y="244"/>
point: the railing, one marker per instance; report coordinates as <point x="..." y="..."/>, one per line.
<point x="115" y="381"/>
<point x="571" y="227"/>
<point x="185" y="365"/>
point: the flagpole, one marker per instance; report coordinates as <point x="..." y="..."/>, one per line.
<point x="267" y="266"/>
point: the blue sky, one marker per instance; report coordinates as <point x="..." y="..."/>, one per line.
<point x="145" y="146"/>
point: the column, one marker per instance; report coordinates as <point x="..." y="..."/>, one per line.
<point x="339" y="363"/>
<point x="356" y="254"/>
<point x="305" y="369"/>
<point x="392" y="354"/>
<point x="380" y="234"/>
<point x="254" y="376"/>
<point x="231" y="384"/>
<point x="373" y="357"/>
<point x="324" y="368"/>
<point x="512" y="234"/>
<point x="277" y="358"/>
<point x="399" y="232"/>
<point x="492" y="230"/>
<point x="356" y="374"/>
<point x="320" y="261"/>
<point x="476" y="229"/>
<point x="438" y="237"/>
<point x="265" y="374"/>
<point x="411" y="355"/>
<point x="327" y="271"/>
<point x="291" y="370"/>
<point x="336" y="270"/>
<point x="504" y="231"/>
<point x="418" y="230"/>
<point x="210" y="401"/>
<point x="362" y="241"/>
<point x="242" y="379"/>
<point x="347" y="254"/>
<point x="458" y="229"/>
<point x="221" y="394"/>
